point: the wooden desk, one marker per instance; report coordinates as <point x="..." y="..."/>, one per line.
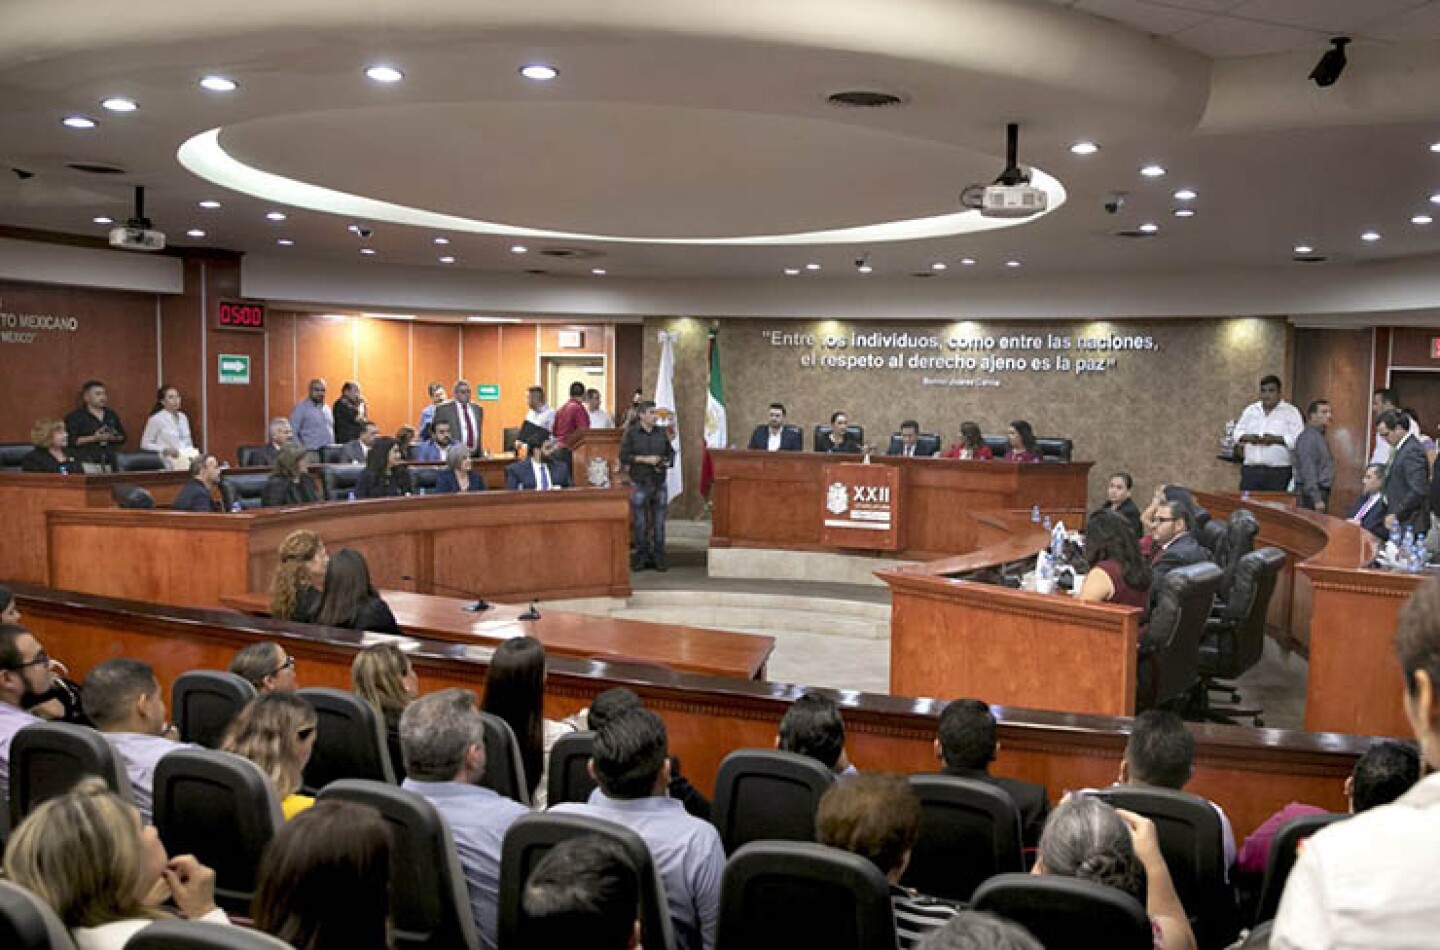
<point x="774" y="499"/>
<point x="1250" y="772"/>
<point x="509" y="545"/>
<point x="565" y="634"/>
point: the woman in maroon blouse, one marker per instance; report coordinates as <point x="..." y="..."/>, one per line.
<point x="1022" y="443"/>
<point x="1118" y="574"/>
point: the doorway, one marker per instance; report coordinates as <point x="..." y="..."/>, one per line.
<point x="558" y="372"/>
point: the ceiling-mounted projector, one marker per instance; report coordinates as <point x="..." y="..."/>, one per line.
<point x="1011" y="195"/>
<point x="136" y="234"/>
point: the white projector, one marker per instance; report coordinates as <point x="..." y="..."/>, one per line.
<point x="1012" y="201"/>
<point x="137" y="239"/>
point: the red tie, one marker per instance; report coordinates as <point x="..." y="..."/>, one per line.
<point x="465" y="423"/>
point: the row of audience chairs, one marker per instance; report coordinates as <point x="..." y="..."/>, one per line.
<point x="336" y="481"/>
<point x="139" y="461"/>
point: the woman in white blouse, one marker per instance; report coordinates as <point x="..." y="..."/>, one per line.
<point x="167" y="431"/>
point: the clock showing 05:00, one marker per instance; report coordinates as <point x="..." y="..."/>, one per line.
<point x="238" y="315"/>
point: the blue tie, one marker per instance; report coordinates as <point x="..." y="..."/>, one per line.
<point x="544" y="477"/>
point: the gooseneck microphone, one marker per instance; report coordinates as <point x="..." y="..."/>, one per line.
<point x="480" y="605"/>
<point x="532" y="614"/>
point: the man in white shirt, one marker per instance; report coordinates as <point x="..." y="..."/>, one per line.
<point x="124" y="700"/>
<point x="1382" y="402"/>
<point x="24" y="671"/>
<point x="537" y="412"/>
<point x="1267" y="430"/>
<point x="599" y="418"/>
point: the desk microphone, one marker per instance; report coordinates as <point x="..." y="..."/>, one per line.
<point x="532" y="614"/>
<point x="480" y="605"/>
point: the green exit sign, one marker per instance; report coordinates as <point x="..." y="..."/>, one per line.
<point x="488" y="392"/>
<point x="234" y="370"/>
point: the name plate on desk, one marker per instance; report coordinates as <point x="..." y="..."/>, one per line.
<point x="862" y="507"/>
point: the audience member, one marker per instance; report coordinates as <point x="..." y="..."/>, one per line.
<point x="614" y="702"/>
<point x="1087" y="839"/>
<point x="646" y="450"/>
<point x="1366" y="881"/>
<point x="812" y="727"/>
<point x="357" y="450"/>
<point x="967" y="745"/>
<point x="436" y="446"/>
<point x="198" y="494"/>
<point x="295" y="587"/>
<point x="124" y="700"/>
<point x="465" y="418"/>
<point x="515" y="691"/>
<point x="1023" y="447"/>
<point x="1381" y="402"/>
<point x="349" y="413"/>
<point x="24" y="676"/>
<point x="536" y="411"/>
<point x="436" y="392"/>
<point x="267" y="666"/>
<point x="1174" y="544"/>
<point x="324" y="881"/>
<point x="977" y="930"/>
<point x="775" y="435"/>
<point x="1118" y="500"/>
<point x="1407" y="475"/>
<point x="839" y="440"/>
<point x="459" y="471"/>
<point x="94" y="428"/>
<point x="405" y="440"/>
<point x="1314" y="465"/>
<point x="276" y="731"/>
<point x="311" y="421"/>
<point x="443" y="739"/>
<point x="349" y="599"/>
<point x="909" y="442"/>
<point x="572" y="417"/>
<point x="383" y="676"/>
<point x="167" y="431"/>
<point x="1118" y="572"/>
<point x="277" y="435"/>
<point x="877" y="816"/>
<point x="599" y="418"/>
<point x="9" y="607"/>
<point x="290" y="482"/>
<point x="51" y="452"/>
<point x="540" y="470"/>
<point x="1369" y="510"/>
<point x="632" y="768"/>
<point x="584" y="892"/>
<point x="385" y="474"/>
<point x="104" y="871"/>
<point x="1266" y="433"/>
<point x="971" y="446"/>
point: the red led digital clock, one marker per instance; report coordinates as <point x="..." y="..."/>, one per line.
<point x="238" y="315"/>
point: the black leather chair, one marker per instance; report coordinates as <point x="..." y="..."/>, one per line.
<point x="11" y="453"/>
<point x="504" y="770"/>
<point x="926" y="444"/>
<point x="530" y="838"/>
<point x="822" y="436"/>
<point x="969" y="832"/>
<point x="333" y="454"/>
<point x="28" y="923"/>
<point x="251" y="456"/>
<point x="1284" y="849"/>
<point x="1211" y="536"/>
<point x="1234" y="639"/>
<point x="48" y="758"/>
<point x="766" y="794"/>
<point x="429" y="905"/>
<point x="1065" y="912"/>
<point x="350" y="741"/>
<point x="339" y="480"/>
<point x="1177" y="624"/>
<point x="201" y="935"/>
<point x="222" y="809"/>
<point x="424" y="476"/>
<point x="1190" y="832"/>
<point x="511" y="435"/>
<point x="999" y="445"/>
<point x="1053" y="449"/>
<point x="141" y="461"/>
<point x="1240" y="531"/>
<point x="246" y="488"/>
<point x="204" y="702"/>
<point x="568" y="779"/>
<point x="779" y="895"/>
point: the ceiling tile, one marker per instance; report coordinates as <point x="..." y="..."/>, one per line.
<point x="1227" y="37"/>
<point x="1146" y="17"/>
<point x="1201" y="6"/>
<point x="1331" y="16"/>
<point x="1421" y="24"/>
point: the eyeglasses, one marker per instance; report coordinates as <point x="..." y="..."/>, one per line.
<point x="289" y="664"/>
<point x="305" y="733"/>
<point x="41" y="659"/>
<point x="1158" y="520"/>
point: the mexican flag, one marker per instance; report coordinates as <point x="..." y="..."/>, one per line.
<point x="715" y="429"/>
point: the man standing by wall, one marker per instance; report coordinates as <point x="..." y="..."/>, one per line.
<point x="1314" y="465"/>
<point x="573" y="416"/>
<point x="1267" y="430"/>
<point x="646" y="449"/>
<point x="94" y="427"/>
<point x="311" y="420"/>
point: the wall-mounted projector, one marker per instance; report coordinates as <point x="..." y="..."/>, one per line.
<point x="137" y="239"/>
<point x="1012" y="201"/>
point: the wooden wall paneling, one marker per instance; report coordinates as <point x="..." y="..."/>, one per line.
<point x="325" y="347"/>
<point x="519" y="370"/>
<point x="284" y="391"/>
<point x="383" y="355"/>
<point x="434" y="357"/>
<point x="182" y="345"/>
<point x="1335" y="365"/>
<point x="1419" y="391"/>
<point x="1410" y="348"/>
<point x="236" y="414"/>
<point x="594" y="339"/>
<point x="629" y="360"/>
<point x="480" y="346"/>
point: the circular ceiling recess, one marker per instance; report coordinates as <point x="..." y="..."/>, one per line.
<point x="864" y="99"/>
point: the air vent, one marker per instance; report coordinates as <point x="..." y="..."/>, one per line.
<point x="1310" y="258"/>
<point x="570" y="253"/>
<point x="864" y="99"/>
<point x="95" y="168"/>
<point x="923" y="273"/>
<point x="22" y="174"/>
<point x="1135" y="233"/>
<point x="537" y="271"/>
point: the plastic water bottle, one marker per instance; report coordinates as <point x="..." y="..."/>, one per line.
<point x="1057" y="543"/>
<point x="350" y="496"/>
<point x="1044" y="573"/>
<point x="235" y="507"/>
<point x="1245" y="495"/>
<point x="1046" y="522"/>
<point x="1395" y="534"/>
<point x="1035" y="513"/>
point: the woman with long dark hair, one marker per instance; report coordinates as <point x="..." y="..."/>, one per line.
<point x="295" y="588"/>
<point x="167" y="431"/>
<point x="385" y="474"/>
<point x="1118" y="573"/>
<point x="290" y="482"/>
<point x="1118" y="500"/>
<point x="1022" y="443"/>
<point x="971" y="446"/>
<point x="349" y="599"/>
<point x="515" y="691"/>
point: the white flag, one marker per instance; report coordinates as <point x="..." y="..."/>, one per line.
<point x="665" y="408"/>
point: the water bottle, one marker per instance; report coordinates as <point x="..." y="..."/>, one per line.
<point x="1035" y="513"/>
<point x="1407" y="542"/>
<point x="235" y="507"/>
<point x="1044" y="574"/>
<point x="350" y="496"/>
<point x="1395" y="534"/>
<point x="1046" y="522"/>
<point x="1245" y="495"/>
<point x="1057" y="544"/>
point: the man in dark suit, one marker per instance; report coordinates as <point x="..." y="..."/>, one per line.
<point x="465" y="418"/>
<point x="350" y="413"/>
<point x="909" y="443"/>
<point x="967" y="745"/>
<point x="281" y="435"/>
<point x="198" y="494"/>
<point x="1175" y="543"/>
<point x="357" y="450"/>
<point x="540" y="471"/>
<point x="1407" y="480"/>
<point x="776" y="436"/>
<point x="1369" y="511"/>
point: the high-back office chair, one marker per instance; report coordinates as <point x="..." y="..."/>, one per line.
<point x="1067" y="912"/>
<point x="768" y="794"/>
<point x="1234" y="641"/>
<point x="141" y="461"/>
<point x="350" y="742"/>
<point x="856" y="435"/>
<point x="969" y="832"/>
<point x="531" y="838"/>
<point x="1240" y="531"/>
<point x="339" y="480"/>
<point x="1284" y="850"/>
<point x="28" y="923"/>
<point x="778" y="895"/>
<point x="568" y="778"/>
<point x="999" y="445"/>
<point x="333" y="454"/>
<point x="926" y="444"/>
<point x="504" y="770"/>
<point x="251" y="456"/>
<point x="1177" y="624"/>
<point x="1053" y="448"/>
<point x="201" y="935"/>
<point x="429" y="904"/>
<point x="11" y="453"/>
<point x="1211" y="536"/>
<point x="204" y="702"/>
<point x="48" y="758"/>
<point x="424" y="476"/>
<point x="245" y="488"/>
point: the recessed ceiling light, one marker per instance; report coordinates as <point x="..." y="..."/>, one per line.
<point x="1422" y="219"/>
<point x="598" y="271"/>
<point x="1304" y="249"/>
<point x="442" y="241"/>
<point x="1435" y="198"/>
<point x="118" y="104"/>
<point x="938" y="265"/>
<point x="78" y="122"/>
<point x="384" y="74"/>
<point x="812" y="266"/>
<point x="968" y="261"/>
<point x="791" y="271"/>
<point x="219" y="84"/>
<point x="865" y="269"/>
<point x="540" y="72"/>
<point x="209" y="204"/>
<point x="1084" y="148"/>
<point x="103" y="220"/>
<point x="367" y="251"/>
<point x="1371" y="236"/>
<point x="447" y="259"/>
<point x="275" y="215"/>
<point x="1149" y="227"/>
<point x="518" y="249"/>
<point x="1185" y="194"/>
<point x="285" y="242"/>
<point x="1435" y="146"/>
<point x="1012" y="263"/>
<point x="1184" y="212"/>
<point x="194" y="232"/>
<point x="1153" y="171"/>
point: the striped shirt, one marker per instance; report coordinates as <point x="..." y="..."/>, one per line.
<point x="916" y="915"/>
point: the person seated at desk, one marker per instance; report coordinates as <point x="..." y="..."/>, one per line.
<point x="1369" y="510"/>
<point x="813" y="727"/>
<point x="198" y="494"/>
<point x="279" y="434"/>
<point x="295" y="588"/>
<point x="9" y="607"/>
<point x="839" y="440"/>
<point x="51" y="452"/>
<point x="459" y="470"/>
<point x="1118" y="500"/>
<point x="385" y="475"/>
<point x="405" y="439"/>
<point x="436" y="392"/>
<point x="276" y="731"/>
<point x="290" y="482"/>
<point x="167" y="431"/>
<point x="1164" y="493"/>
<point x="350" y="600"/>
<point x="434" y="448"/>
<point x="971" y="447"/>
<point x="966" y="745"/>
<point x="1118" y="572"/>
<point x="1174" y="543"/>
<point x="357" y="450"/>
<point x="1022" y="443"/>
<point x="908" y="445"/>
<point x="775" y="435"/>
<point x="94" y="428"/>
<point x="539" y="472"/>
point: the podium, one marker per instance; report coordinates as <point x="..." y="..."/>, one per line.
<point x="861" y="507"/>
<point x="590" y="444"/>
